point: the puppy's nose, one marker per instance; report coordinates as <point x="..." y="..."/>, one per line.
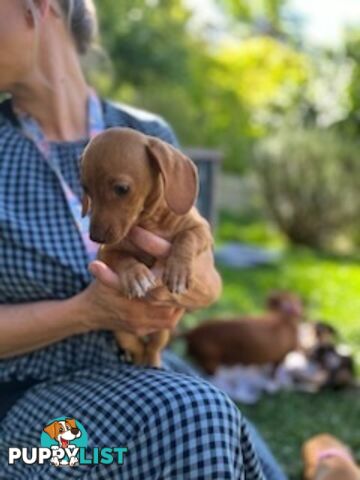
<point x="75" y="431"/>
<point x="97" y="235"/>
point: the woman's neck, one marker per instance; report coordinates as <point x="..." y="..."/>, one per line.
<point x="56" y="95"/>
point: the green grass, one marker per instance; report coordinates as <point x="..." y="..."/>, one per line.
<point x="286" y="420"/>
<point x="330" y="287"/>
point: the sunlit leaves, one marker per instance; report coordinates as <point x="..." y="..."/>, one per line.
<point x="260" y="70"/>
<point x="251" y="10"/>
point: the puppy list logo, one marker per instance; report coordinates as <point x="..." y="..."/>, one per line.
<point x="64" y="442"/>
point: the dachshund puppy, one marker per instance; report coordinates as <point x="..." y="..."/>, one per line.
<point x="249" y="340"/>
<point x="130" y="179"/>
<point x="326" y="458"/>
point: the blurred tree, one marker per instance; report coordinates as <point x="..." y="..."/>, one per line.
<point x="146" y="39"/>
<point x="213" y="94"/>
<point x="153" y="52"/>
<point x="246" y="82"/>
<point x="310" y="180"/>
<point x="351" y="124"/>
<point x="267" y="12"/>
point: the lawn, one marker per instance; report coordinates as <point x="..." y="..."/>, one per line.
<point x="287" y="419"/>
<point x="330" y="287"/>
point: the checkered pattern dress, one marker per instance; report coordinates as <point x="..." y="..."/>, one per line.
<point x="175" y="425"/>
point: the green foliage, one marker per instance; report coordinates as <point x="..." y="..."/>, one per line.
<point x="350" y="125"/>
<point x="233" y="86"/>
<point x="146" y="40"/>
<point x="352" y="49"/>
<point x="212" y="96"/>
<point x="250" y="10"/>
<point x="260" y="70"/>
<point x="226" y="92"/>
<point x="310" y="180"/>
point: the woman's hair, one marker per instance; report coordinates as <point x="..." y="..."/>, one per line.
<point x="81" y="19"/>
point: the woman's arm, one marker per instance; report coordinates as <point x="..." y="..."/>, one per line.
<point x="29" y="327"/>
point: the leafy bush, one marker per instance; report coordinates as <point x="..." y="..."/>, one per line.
<point x="311" y="182"/>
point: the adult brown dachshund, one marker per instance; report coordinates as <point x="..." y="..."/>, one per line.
<point x="249" y="340"/>
<point x="132" y="179"/>
<point x="326" y="458"/>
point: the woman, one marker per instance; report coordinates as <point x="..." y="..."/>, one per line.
<point x="57" y="354"/>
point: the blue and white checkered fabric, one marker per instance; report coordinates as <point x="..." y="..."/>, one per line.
<point x="175" y="425"/>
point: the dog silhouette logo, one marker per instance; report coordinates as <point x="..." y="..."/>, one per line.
<point x="64" y="436"/>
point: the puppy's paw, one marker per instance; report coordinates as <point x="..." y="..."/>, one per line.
<point x="137" y="281"/>
<point x="177" y="275"/>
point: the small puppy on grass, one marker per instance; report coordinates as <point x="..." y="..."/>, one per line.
<point x="130" y="179"/>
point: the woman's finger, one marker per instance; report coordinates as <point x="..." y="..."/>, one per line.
<point x="104" y="274"/>
<point x="149" y="242"/>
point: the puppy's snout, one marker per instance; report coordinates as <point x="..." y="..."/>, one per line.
<point x="97" y="234"/>
<point x="75" y="431"/>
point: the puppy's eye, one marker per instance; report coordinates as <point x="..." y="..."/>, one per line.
<point x="61" y="430"/>
<point x="121" y="189"/>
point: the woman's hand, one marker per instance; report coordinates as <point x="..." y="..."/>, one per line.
<point x="103" y="308"/>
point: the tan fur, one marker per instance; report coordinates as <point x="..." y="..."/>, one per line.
<point x="247" y="340"/>
<point x="329" y="468"/>
<point x="161" y="187"/>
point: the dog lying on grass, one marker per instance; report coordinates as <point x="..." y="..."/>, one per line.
<point x="130" y="179"/>
<point x="248" y="340"/>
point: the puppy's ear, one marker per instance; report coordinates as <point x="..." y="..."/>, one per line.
<point x="50" y="430"/>
<point x="179" y="175"/>
<point x="85" y="205"/>
<point x="71" y="422"/>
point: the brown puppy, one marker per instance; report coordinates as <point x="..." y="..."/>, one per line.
<point x="248" y="340"/>
<point x="131" y="179"/>
<point x="326" y="458"/>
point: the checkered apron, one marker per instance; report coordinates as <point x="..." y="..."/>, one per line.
<point x="174" y="424"/>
